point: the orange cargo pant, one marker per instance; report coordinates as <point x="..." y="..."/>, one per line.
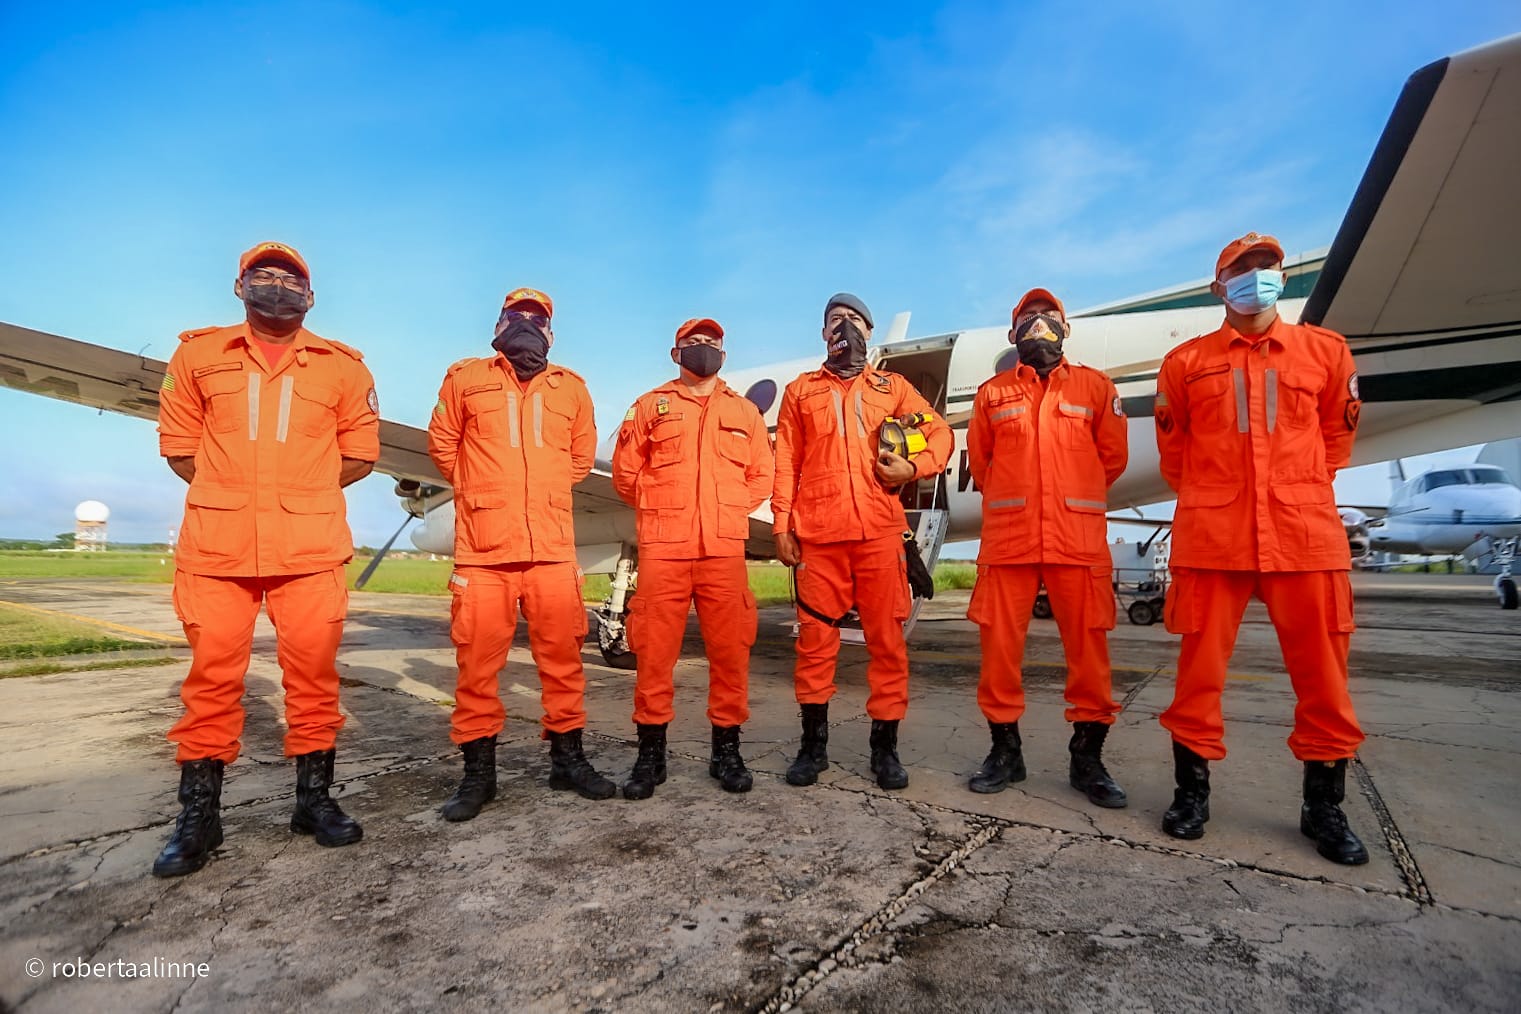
<point x="871" y="575"/>
<point x="483" y="619"/>
<point x="1312" y="613"/>
<point x="218" y="613"/>
<point x="1082" y="601"/>
<point x="720" y="585"/>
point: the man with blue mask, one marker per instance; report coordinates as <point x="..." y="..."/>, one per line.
<point x="1252" y="422"/>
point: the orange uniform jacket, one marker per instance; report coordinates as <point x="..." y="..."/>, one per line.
<point x="268" y="447"/>
<point x="1251" y="431"/>
<point x="1044" y="457"/>
<point x="693" y="469"/>
<point x="512" y="451"/>
<point x="826" y="447"/>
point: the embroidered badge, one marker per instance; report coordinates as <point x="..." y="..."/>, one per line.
<point x="1119" y="407"/>
<point x="168" y="384"/>
<point x="1352" y="386"/>
<point x="662" y="405"/>
<point x="374" y="400"/>
<point x="629" y="415"/>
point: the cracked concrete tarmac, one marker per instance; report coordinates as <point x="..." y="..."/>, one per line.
<point x="837" y="897"/>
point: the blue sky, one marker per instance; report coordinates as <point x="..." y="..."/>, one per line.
<point x="643" y="163"/>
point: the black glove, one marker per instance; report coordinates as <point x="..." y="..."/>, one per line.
<point x="920" y="581"/>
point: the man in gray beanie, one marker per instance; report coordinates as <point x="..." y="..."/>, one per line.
<point x="839" y="522"/>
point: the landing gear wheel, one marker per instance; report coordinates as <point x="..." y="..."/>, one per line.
<point x="1142" y="613"/>
<point x="1506" y="589"/>
<point x="1042" y="609"/>
<point x="614" y="646"/>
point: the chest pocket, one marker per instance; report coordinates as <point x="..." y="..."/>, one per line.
<point x="733" y="442"/>
<point x="823" y="412"/>
<point x="1211" y="405"/>
<point x="551" y="423"/>
<point x="486" y="410"/>
<point x="665" y="441"/>
<point x="1009" y="415"/>
<point x="224" y="388"/>
<point x="1297" y="397"/>
<point x="870" y="407"/>
<point x="314" y="409"/>
<point x="1075" y="425"/>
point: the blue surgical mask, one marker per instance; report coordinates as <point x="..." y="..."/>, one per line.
<point x="1255" y="291"/>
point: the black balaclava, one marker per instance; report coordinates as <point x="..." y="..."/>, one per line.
<point x="1039" y="341"/>
<point x="701" y="360"/>
<point x="847" y="352"/>
<point x="526" y="347"/>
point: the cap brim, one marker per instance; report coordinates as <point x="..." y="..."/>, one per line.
<point x="1038" y="294"/>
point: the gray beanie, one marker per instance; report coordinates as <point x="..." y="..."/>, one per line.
<point x="851" y="300"/>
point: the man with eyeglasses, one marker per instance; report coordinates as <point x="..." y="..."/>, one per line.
<point x="693" y="459"/>
<point x="267" y="422"/>
<point x="1046" y="441"/>
<point x="512" y="433"/>
<point x="1253" y="420"/>
<point x="839" y="522"/>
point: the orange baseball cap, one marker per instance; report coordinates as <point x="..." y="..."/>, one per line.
<point x="1032" y="296"/>
<point x="1236" y="249"/>
<point x="517" y="297"/>
<point x="271" y="251"/>
<point x="699" y="325"/>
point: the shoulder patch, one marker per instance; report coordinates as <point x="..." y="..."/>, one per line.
<point x="198" y="332"/>
<point x="460" y="364"/>
<point x="628" y="416"/>
<point x="572" y="374"/>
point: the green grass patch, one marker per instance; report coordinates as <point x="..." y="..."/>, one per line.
<point x="127" y="566"/>
<point x="25" y="634"/>
<point x="49" y="668"/>
<point x="953" y="575"/>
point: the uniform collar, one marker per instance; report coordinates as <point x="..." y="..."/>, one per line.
<point x="1274" y="333"/>
<point x="304" y="339"/>
<point x="867" y="373"/>
<point x="676" y="387"/>
<point x="1026" y="372"/>
<point x="551" y="374"/>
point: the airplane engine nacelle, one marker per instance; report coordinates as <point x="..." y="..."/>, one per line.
<point x="1358" y="539"/>
<point x="436" y="533"/>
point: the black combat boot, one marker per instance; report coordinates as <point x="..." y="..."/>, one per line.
<point x="478" y="786"/>
<point x="884" y="755"/>
<point x="1190" y="802"/>
<point x="198" y="828"/>
<point x="316" y="812"/>
<point x="569" y="768"/>
<point x="812" y="755"/>
<point x="1321" y="818"/>
<point x="727" y="765"/>
<point x="1087" y="773"/>
<point x="1005" y="762"/>
<point x="649" y="767"/>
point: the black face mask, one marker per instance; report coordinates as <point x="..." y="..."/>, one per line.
<point x="702" y="360"/>
<point x="275" y="303"/>
<point x="847" y="353"/>
<point x="1039" y="341"/>
<point x="526" y="348"/>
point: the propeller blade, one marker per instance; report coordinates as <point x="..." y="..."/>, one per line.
<point x="364" y="576"/>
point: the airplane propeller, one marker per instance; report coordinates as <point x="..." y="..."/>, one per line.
<point x="364" y="576"/>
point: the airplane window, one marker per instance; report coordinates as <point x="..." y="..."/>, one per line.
<point x="1488" y="476"/>
<point x="1006" y="361"/>
<point x="1449" y="477"/>
<point x="761" y="394"/>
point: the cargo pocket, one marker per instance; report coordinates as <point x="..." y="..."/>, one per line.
<point x="977" y="608"/>
<point x="461" y="610"/>
<point x="1180" y="613"/>
<point x="1101" y="604"/>
<point x="182" y="597"/>
<point x="1343" y="619"/>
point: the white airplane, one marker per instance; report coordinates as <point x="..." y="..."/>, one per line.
<point x="1472" y="510"/>
<point x="1422" y="277"/>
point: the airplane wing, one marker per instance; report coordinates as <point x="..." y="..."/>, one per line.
<point x="1423" y="271"/>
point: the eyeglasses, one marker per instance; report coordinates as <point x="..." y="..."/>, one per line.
<point x="536" y="319"/>
<point x="700" y="339"/>
<point x="286" y="280"/>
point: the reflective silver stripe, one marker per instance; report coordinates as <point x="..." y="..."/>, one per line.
<point x="1009" y="413"/>
<point x="514" y="429"/>
<point x="282" y="426"/>
<point x="1243" y="417"/>
<point x="1272" y="398"/>
<point x="253" y="404"/>
<point x="1077" y="409"/>
<point x="1017" y="501"/>
<point x="1073" y="501"/>
<point x="860" y="415"/>
<point x="839" y="410"/>
<point x="538" y="419"/>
